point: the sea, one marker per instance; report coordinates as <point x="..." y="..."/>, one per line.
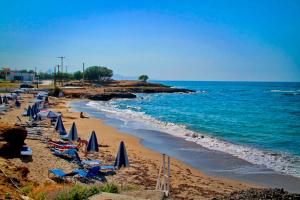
<point x="224" y="128"/>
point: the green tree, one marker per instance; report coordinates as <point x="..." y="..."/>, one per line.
<point x="143" y="78"/>
<point x="98" y="73"/>
<point x="78" y="75"/>
<point x="45" y="76"/>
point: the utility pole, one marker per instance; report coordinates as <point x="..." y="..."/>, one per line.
<point x="83" y="74"/>
<point x="59" y="75"/>
<point x="62" y="65"/>
<point x="36" y="77"/>
<point x="54" y="77"/>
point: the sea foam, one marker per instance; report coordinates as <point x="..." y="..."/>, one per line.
<point x="280" y="162"/>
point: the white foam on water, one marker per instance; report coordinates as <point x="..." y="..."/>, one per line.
<point x="280" y="162"/>
<point x="294" y="92"/>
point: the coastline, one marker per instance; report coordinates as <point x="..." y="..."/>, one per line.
<point x="184" y="178"/>
<point x="212" y="163"/>
<point x="186" y="182"/>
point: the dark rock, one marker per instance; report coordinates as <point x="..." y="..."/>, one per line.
<point x="11" y="140"/>
<point x="260" y="194"/>
<point x="109" y="96"/>
<point x="152" y="90"/>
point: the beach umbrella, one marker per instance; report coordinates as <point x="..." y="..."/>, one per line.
<point x="59" y="127"/>
<point x="17" y="103"/>
<point x="0" y="100"/>
<point x="122" y="158"/>
<point x="5" y="100"/>
<point x="73" y="135"/>
<point x="37" y="110"/>
<point x="51" y="114"/>
<point x="33" y="109"/>
<point x="28" y="111"/>
<point x="93" y="143"/>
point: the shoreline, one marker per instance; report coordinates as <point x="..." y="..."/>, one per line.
<point x="186" y="182"/>
<point x="183" y="176"/>
<point x="245" y="172"/>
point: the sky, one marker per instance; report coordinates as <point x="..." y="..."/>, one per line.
<point x="165" y="39"/>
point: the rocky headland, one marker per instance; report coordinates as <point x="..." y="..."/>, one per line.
<point x="116" y="89"/>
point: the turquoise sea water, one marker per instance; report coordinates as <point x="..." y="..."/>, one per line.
<point x="258" y="122"/>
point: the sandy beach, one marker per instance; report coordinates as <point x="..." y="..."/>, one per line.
<point x="186" y="182"/>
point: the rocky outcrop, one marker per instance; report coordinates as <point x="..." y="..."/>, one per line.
<point x="109" y="96"/>
<point x="150" y="90"/>
<point x="105" y="91"/>
<point x="11" y="140"/>
<point x="260" y="194"/>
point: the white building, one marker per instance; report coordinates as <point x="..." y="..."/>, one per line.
<point x="20" y="76"/>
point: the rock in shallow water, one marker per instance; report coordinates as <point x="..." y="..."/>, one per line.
<point x="260" y="194"/>
<point x="109" y="96"/>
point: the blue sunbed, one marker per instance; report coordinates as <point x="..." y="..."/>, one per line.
<point x="88" y="174"/>
<point x="26" y="151"/>
<point x="80" y="162"/>
<point x="60" y="173"/>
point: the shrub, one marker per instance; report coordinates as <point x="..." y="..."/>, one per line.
<point x="27" y="189"/>
<point x="78" y="192"/>
<point x="109" y="187"/>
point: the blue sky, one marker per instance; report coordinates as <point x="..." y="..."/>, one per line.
<point x="167" y="39"/>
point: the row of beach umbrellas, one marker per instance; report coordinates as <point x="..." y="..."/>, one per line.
<point x="93" y="145"/>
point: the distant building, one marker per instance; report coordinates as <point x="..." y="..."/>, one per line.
<point x="9" y="75"/>
<point x="20" y="76"/>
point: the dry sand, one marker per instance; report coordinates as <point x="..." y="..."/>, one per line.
<point x="186" y="182"/>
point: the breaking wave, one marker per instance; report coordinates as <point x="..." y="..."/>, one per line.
<point x="280" y="162"/>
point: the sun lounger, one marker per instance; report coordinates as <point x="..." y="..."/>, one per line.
<point x="61" y="145"/>
<point x="60" y="173"/>
<point x="69" y="153"/>
<point x="26" y="151"/>
<point x="107" y="167"/>
<point x="88" y="174"/>
<point x="89" y="163"/>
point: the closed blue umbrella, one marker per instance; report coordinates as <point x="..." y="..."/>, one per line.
<point x="36" y="108"/>
<point x="5" y="100"/>
<point x="122" y="158"/>
<point x="32" y="112"/>
<point x="18" y="103"/>
<point x="28" y="111"/>
<point x="33" y="109"/>
<point x="93" y="143"/>
<point x="59" y="127"/>
<point x="73" y="135"/>
<point x="51" y="114"/>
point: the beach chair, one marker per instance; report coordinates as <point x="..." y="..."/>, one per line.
<point x="86" y="163"/>
<point x="61" y="145"/>
<point x="87" y="175"/>
<point x="107" y="167"/>
<point x="66" y="154"/>
<point x="26" y="151"/>
<point x="58" y="173"/>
